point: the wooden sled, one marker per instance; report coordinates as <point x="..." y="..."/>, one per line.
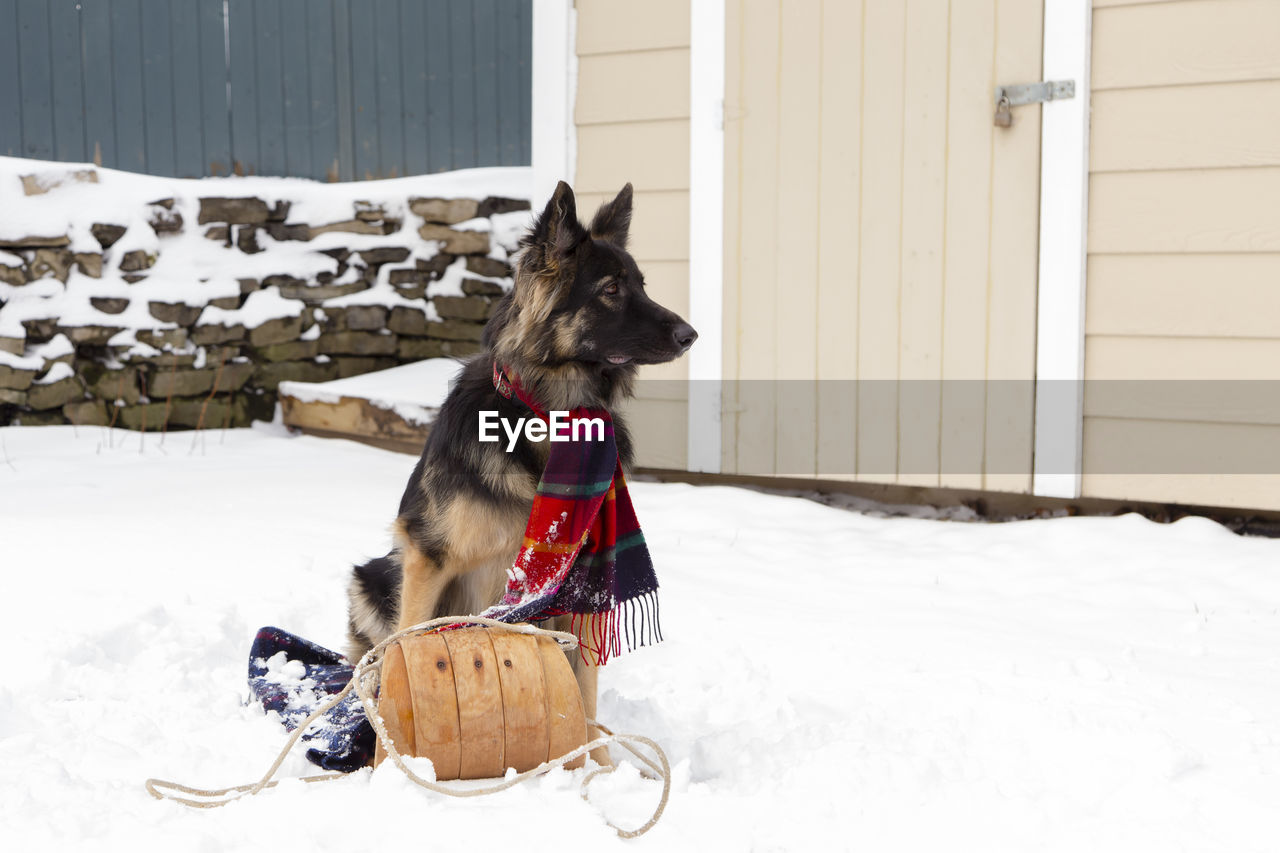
<point x="477" y="701"/>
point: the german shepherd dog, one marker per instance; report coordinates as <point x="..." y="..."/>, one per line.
<point x="573" y="329"/>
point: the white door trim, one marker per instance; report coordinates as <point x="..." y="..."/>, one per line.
<point x="1064" y="208"/>
<point x="706" y="230"/>
<point x="553" y="142"/>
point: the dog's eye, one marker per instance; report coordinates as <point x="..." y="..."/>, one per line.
<point x="611" y="288"/>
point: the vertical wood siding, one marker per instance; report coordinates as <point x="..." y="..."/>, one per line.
<point x="325" y="89"/>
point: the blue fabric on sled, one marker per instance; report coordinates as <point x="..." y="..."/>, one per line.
<point x="340" y="740"/>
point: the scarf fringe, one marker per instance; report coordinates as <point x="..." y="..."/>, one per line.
<point x="626" y="627"/>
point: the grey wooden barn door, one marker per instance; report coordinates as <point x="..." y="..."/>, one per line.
<point x="325" y="89"/>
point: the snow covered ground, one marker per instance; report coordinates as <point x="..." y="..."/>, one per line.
<point x="829" y="680"/>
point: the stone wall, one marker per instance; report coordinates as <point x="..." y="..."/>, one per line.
<point x="190" y="311"/>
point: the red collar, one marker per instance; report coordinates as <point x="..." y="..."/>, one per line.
<point x="507" y="384"/>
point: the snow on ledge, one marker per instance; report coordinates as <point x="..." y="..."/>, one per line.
<point x="117" y="194"/>
<point x="260" y="307"/>
<point x="414" y="391"/>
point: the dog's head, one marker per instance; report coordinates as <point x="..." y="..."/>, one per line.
<point x="579" y="299"/>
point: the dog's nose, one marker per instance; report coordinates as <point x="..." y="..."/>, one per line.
<point x="684" y="335"/>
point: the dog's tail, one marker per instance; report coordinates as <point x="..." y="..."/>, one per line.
<point x="373" y="600"/>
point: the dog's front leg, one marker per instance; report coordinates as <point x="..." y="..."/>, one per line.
<point x="586" y="674"/>
<point x="421" y="586"/>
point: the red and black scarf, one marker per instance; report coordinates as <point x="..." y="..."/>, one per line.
<point x="583" y="552"/>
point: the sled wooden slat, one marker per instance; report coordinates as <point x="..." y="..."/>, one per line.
<point x="524" y="699"/>
<point x="396" y="704"/>
<point x="435" y="702"/>
<point x="480" y="718"/>
<point x="566" y="718"/>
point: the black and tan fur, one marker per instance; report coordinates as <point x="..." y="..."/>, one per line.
<point x="573" y="329"/>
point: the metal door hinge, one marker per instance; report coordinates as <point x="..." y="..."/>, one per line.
<point x="1029" y="93"/>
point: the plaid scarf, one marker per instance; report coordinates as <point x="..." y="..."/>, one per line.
<point x="583" y="551"/>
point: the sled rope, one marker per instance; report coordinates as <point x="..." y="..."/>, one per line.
<point x="364" y="681"/>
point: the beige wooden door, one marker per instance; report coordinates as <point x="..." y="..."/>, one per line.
<point x="880" y="228"/>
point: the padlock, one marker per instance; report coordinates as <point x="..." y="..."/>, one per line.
<point x="1004" y="118"/>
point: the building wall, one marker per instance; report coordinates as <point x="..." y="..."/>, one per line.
<point x="879" y="228"/>
<point x="1184" y="252"/>
<point x="324" y="89"/>
<point x="632" y="119"/>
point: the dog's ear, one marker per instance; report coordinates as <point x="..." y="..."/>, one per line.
<point x="613" y="220"/>
<point x="557" y="232"/>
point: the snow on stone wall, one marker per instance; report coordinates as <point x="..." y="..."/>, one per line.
<point x="143" y="302"/>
